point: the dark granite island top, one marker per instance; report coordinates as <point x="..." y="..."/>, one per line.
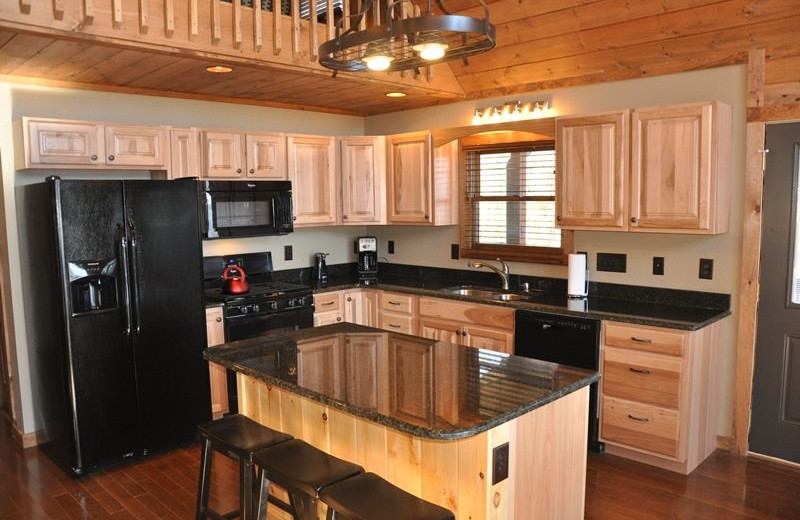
<point x="414" y="385"/>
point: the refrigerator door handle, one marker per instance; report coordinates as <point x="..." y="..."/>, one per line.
<point x="126" y="294"/>
<point x="134" y="241"/>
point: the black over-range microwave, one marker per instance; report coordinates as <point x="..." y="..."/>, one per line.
<point x="245" y="208"/>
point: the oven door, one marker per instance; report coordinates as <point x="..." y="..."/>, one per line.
<point x="246" y="327"/>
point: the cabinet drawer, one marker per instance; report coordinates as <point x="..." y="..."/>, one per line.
<point x="642" y="376"/>
<point x="327" y="302"/>
<point x="396" y="302"/>
<point x="397" y="322"/>
<point x="470" y="313"/>
<point x="642" y="426"/>
<point x="648" y="339"/>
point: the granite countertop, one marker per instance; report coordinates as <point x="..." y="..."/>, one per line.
<point x="415" y="385"/>
<point x="677" y="310"/>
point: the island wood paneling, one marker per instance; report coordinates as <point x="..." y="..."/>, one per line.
<point x="547" y="450"/>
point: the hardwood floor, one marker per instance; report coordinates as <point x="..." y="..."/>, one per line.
<point x="165" y="486"/>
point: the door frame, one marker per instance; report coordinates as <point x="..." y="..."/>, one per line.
<point x="758" y="114"/>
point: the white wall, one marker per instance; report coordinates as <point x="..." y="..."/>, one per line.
<point x="24" y="100"/>
<point x="681" y="252"/>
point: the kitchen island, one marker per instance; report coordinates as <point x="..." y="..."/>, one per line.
<point x="484" y="434"/>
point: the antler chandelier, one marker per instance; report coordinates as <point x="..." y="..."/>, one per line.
<point x="405" y="43"/>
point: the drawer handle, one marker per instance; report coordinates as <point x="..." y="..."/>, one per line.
<point x="394" y="302"/>
<point x="640" y="419"/>
<point x="641" y="340"/>
<point x="327" y="303"/>
<point x="393" y="325"/>
<point x="639" y="370"/>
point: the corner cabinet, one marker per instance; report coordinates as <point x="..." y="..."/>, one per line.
<point x="215" y="333"/>
<point x="658" y="394"/>
<point x="312" y="170"/>
<point x="660" y="169"/>
<point x="54" y="143"/>
<point x="421" y="181"/>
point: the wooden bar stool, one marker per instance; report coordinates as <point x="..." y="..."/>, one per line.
<point x="302" y="470"/>
<point x="237" y="437"/>
<point x="369" y="497"/>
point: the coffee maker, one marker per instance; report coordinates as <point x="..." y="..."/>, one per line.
<point x="367" y="257"/>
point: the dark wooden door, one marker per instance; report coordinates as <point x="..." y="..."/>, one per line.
<point x="775" y="426"/>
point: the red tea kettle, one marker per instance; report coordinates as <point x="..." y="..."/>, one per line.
<point x="234" y="283"/>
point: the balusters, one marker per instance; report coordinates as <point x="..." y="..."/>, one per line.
<point x="216" y="22"/>
<point x="313" y="39"/>
<point x="194" y="18"/>
<point x="258" y="33"/>
<point x="296" y="29"/>
<point x="237" y="23"/>
<point x="144" y="16"/>
<point x="116" y="13"/>
<point x="58" y="9"/>
<point x="277" y="27"/>
<point x="169" y="17"/>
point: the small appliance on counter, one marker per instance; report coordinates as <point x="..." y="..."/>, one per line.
<point x="368" y="260"/>
<point x="320" y="269"/>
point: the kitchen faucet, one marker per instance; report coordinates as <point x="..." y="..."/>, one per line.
<point x="503" y="271"/>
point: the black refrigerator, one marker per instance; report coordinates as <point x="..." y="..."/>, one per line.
<point x="115" y="317"/>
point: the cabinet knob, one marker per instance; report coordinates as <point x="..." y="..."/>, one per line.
<point x="338" y="318"/>
<point x="634" y="220"/>
<point x="94" y="157"/>
<point x="294" y="218"/>
<point x="349" y="299"/>
<point x="427" y="217"/>
<point x="344" y="217"/>
<point x="252" y="170"/>
<point x="110" y="157"/>
<point x="558" y="217"/>
<point x="238" y="170"/>
<point x="219" y="319"/>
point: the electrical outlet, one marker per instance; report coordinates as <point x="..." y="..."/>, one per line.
<point x="706" y="268"/>
<point x="390" y="246"/>
<point x="500" y="463"/>
<point x="287" y="253"/>
<point x="612" y="262"/>
<point x="658" y="265"/>
<point x="454" y="253"/>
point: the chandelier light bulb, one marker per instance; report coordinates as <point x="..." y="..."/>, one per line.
<point x="431" y="50"/>
<point x="378" y="57"/>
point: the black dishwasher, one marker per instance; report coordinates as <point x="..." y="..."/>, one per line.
<point x="562" y="339"/>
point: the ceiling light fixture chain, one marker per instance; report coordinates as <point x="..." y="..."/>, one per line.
<point x="406" y="43"/>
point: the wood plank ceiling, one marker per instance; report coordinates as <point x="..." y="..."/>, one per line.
<point x="540" y="45"/>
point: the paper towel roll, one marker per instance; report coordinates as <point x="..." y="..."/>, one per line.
<point x="576" y="279"/>
<point x="578" y="304"/>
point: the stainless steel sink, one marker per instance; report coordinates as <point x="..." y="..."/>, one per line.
<point x="485" y="293"/>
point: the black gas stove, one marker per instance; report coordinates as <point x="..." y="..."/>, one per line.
<point x="265" y="295"/>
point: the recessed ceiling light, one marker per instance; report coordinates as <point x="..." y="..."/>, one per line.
<point x="219" y="69"/>
<point x="395" y="94"/>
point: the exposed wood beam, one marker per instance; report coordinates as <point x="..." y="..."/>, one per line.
<point x="751" y="255"/>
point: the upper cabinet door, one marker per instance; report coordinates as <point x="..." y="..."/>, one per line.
<point x="266" y="156"/>
<point x="678" y="156"/>
<point x="409" y="182"/>
<point x="70" y="143"/>
<point x="184" y="153"/>
<point x="362" y="173"/>
<point x="138" y="146"/>
<point x="222" y="154"/>
<point x="591" y="167"/>
<point x="313" y="175"/>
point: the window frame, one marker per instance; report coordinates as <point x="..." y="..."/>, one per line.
<point x="468" y="216"/>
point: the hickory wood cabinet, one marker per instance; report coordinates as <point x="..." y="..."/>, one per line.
<point x="659" y="169"/>
<point x="184" y="153"/>
<point x="215" y="334"/>
<point x="237" y="155"/>
<point x="470" y="324"/>
<point x="67" y="144"/>
<point x="658" y="394"/>
<point x="397" y="312"/>
<point x="358" y="306"/>
<point x="362" y="173"/>
<point x="421" y="181"/>
<point x="312" y="170"/>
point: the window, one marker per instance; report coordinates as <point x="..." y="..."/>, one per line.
<point x="509" y="210"/>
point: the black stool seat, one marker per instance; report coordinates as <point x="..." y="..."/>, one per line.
<point x="369" y="497"/>
<point x="302" y="470"/>
<point x="300" y="466"/>
<point x="237" y="437"/>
